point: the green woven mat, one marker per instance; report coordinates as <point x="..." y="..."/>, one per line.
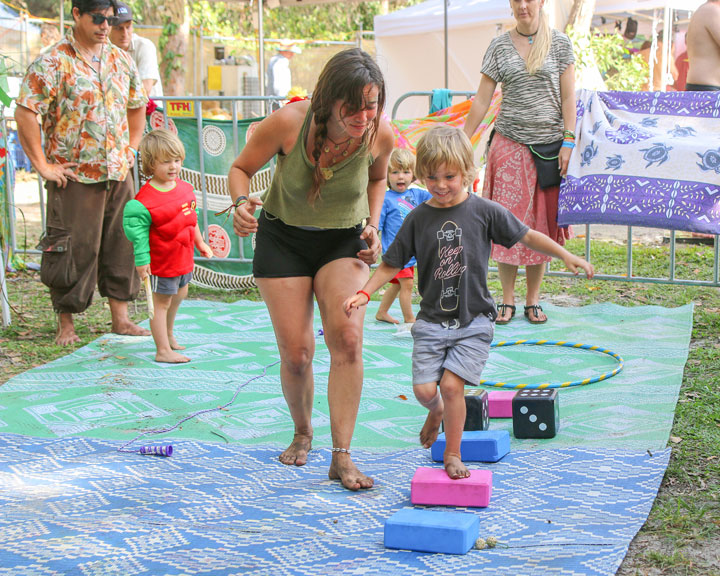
<point x="112" y="388"/>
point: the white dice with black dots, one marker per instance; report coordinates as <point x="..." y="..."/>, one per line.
<point x="536" y="413"/>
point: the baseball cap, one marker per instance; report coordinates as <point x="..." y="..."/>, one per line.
<point x="124" y="13"/>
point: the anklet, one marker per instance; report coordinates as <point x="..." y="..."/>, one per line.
<point x="341" y="450"/>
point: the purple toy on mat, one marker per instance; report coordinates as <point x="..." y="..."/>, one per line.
<point x="433" y="487"/>
<point x="157" y="450"/>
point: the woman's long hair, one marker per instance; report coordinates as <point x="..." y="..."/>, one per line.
<point x="541" y="44"/>
<point x="344" y="77"/>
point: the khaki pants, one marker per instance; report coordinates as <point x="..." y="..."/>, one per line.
<point x="90" y="217"/>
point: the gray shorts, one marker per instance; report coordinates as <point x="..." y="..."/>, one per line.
<point x="439" y="347"/>
<point x="160" y="285"/>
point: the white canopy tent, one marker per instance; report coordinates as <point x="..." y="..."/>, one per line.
<point x="411" y="47"/>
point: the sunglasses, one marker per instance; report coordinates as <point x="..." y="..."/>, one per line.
<point x="98" y="19"/>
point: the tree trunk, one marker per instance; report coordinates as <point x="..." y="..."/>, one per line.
<point x="173" y="65"/>
<point x="581" y="16"/>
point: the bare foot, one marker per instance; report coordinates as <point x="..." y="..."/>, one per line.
<point x="298" y="450"/>
<point x="65" y="335"/>
<point x="128" y="328"/>
<point x="385" y="317"/>
<point x="430" y="429"/>
<point x="454" y="467"/>
<point x="171" y="357"/>
<point x="342" y="468"/>
<point x="174" y="344"/>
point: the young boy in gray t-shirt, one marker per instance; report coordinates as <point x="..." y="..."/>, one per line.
<point x="450" y="235"/>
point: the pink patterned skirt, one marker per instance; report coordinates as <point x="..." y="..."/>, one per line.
<point x="511" y="180"/>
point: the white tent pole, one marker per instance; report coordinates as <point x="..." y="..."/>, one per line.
<point x="203" y="78"/>
<point x="261" y="53"/>
<point x="4" y="306"/>
<point x="652" y="58"/>
<point x="664" y="63"/>
<point x="445" y="14"/>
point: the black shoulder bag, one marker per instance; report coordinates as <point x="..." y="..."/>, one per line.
<point x="546" y="163"/>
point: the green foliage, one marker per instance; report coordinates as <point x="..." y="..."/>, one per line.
<point x="334" y="22"/>
<point x="620" y="69"/>
<point x="171" y="60"/>
<point x="47" y="8"/>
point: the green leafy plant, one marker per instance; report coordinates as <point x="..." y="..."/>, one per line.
<point x="620" y="69"/>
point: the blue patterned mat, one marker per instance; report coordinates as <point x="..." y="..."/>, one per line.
<point x="76" y="506"/>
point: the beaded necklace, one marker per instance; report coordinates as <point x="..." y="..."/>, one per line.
<point x="530" y="37"/>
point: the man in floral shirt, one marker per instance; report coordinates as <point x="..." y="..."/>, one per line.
<point x="90" y="97"/>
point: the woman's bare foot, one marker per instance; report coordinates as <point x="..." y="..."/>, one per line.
<point x="174" y="344"/>
<point x="343" y="468"/>
<point x="298" y="450"/>
<point x="171" y="357"/>
<point x="454" y="467"/>
<point x="385" y="317"/>
<point x="430" y="429"/>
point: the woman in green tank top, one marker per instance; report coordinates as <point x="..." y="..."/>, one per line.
<point x="316" y="236"/>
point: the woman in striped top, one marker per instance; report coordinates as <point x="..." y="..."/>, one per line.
<point x="535" y="66"/>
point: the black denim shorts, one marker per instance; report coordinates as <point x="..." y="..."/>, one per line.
<point x="283" y="251"/>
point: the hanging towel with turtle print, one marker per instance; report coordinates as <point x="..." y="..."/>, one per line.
<point x="645" y="159"/>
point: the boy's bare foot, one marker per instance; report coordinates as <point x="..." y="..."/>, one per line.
<point x="171" y="357"/>
<point x="454" y="467"/>
<point x="174" y="344"/>
<point x="385" y="317"/>
<point x="128" y="328"/>
<point x="430" y="429"/>
<point x="343" y="468"/>
<point x="298" y="450"/>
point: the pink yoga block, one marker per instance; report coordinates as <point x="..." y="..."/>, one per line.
<point x="500" y="403"/>
<point x="433" y="487"/>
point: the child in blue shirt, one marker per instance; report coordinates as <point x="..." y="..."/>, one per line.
<point x="400" y="199"/>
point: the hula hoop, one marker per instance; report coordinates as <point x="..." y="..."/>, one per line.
<point x="565" y="344"/>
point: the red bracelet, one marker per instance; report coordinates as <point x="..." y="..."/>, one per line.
<point x="363" y="292"/>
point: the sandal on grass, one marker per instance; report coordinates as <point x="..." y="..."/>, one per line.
<point x="536" y="309"/>
<point x="502" y="308"/>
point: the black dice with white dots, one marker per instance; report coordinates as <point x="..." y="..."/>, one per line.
<point x="536" y="413"/>
<point x="477" y="411"/>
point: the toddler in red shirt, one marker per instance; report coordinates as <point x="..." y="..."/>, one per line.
<point x="162" y="224"/>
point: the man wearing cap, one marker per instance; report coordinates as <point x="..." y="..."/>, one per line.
<point x="141" y="49"/>
<point x="90" y="98"/>
<point x="279" y="76"/>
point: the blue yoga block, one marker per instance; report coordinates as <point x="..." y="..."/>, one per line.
<point x="476" y="446"/>
<point x="432" y="531"/>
